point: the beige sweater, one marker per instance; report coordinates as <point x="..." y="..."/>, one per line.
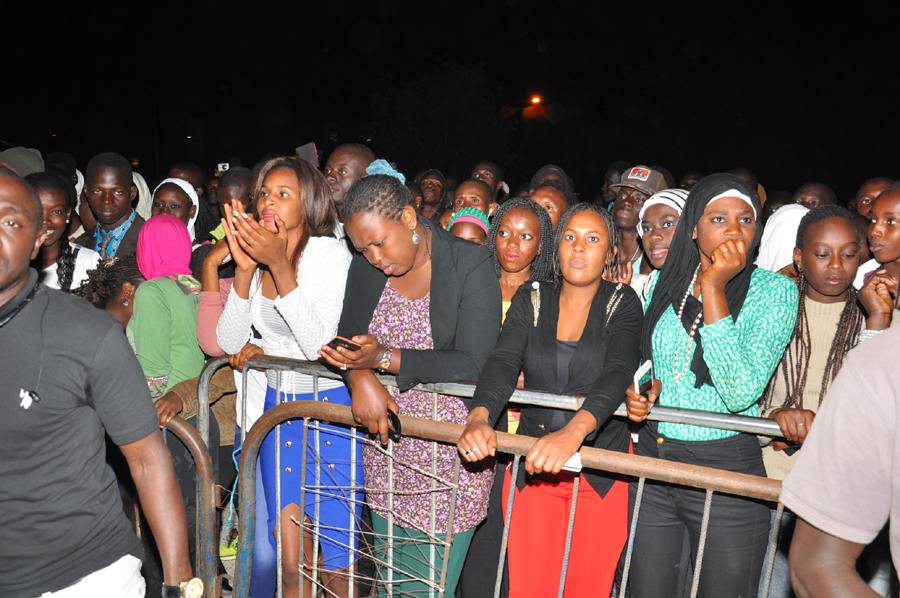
<point x="823" y="320"/>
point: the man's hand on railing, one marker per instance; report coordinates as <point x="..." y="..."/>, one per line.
<point x="249" y="351"/>
<point x="638" y="406"/>
<point x="371" y="400"/>
<point x="478" y="441"/>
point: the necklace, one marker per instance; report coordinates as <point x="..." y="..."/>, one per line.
<point x="683" y="368"/>
<point x="636" y="252"/>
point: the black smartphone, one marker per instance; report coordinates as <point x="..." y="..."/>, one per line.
<point x="340" y="341"/>
<point x="395" y="429"/>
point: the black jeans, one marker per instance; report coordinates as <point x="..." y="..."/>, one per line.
<point x="738" y="527"/>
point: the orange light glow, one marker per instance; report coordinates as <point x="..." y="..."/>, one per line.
<point x="536" y="100"/>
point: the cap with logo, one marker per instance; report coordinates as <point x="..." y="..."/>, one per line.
<point x="644" y="179"/>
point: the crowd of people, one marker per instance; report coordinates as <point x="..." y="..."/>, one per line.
<point x="745" y="302"/>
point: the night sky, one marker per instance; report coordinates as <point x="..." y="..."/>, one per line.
<point x="793" y="94"/>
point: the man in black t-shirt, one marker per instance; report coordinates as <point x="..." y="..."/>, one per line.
<point x="67" y="378"/>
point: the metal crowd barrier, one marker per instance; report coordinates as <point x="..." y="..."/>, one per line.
<point x="206" y="533"/>
<point x="642" y="468"/>
<point x="738" y="423"/>
<point x="312" y="412"/>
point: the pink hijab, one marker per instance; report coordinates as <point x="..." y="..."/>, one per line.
<point x="164" y="247"/>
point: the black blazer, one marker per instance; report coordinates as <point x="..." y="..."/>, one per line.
<point x="465" y="310"/>
<point x="602" y="366"/>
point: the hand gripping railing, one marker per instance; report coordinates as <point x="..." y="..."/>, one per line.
<point x="207" y="544"/>
<point x="725" y="421"/>
<point x="643" y="468"/>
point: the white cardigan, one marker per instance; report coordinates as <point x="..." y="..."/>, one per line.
<point x="312" y="310"/>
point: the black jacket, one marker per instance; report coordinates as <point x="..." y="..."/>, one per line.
<point x="465" y="310"/>
<point x="127" y="245"/>
<point x="602" y="366"/>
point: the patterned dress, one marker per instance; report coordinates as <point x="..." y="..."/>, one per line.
<point x="403" y="323"/>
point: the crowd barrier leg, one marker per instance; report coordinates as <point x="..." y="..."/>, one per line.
<point x="773" y="549"/>
<point x="207" y="538"/>
<point x="506" y="520"/>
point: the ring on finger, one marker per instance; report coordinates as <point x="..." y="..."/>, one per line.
<point x="343" y="366"/>
<point x="468" y="451"/>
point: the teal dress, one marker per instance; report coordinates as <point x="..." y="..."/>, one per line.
<point x="741" y="355"/>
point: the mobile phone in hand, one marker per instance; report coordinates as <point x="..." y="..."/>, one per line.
<point x="340" y="341"/>
<point x="647" y="367"/>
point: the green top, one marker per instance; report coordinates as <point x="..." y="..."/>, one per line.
<point x="163" y="332"/>
<point x="741" y="355"/>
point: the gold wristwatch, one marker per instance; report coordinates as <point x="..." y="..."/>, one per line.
<point x="186" y="589"/>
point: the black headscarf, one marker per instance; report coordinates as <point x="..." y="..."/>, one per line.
<point x="682" y="262"/>
<point x="444" y="203"/>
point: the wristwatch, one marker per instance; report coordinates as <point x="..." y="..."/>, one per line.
<point x="386" y="359"/>
<point x="186" y="589"/>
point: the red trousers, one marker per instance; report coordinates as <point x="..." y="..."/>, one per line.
<point x="537" y="537"/>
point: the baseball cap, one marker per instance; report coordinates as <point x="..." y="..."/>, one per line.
<point x="643" y="178"/>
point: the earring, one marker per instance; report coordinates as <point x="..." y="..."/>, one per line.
<point x="125" y="303"/>
<point x="67" y="220"/>
<point x="416" y="238"/>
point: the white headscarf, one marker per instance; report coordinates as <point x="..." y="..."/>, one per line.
<point x="192" y="193"/>
<point x="145" y="200"/>
<point x="674" y="198"/>
<point x="776" y="249"/>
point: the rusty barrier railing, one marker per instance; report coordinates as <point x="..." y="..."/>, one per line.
<point x="738" y="423"/>
<point x="641" y="468"/>
<point x="206" y="532"/>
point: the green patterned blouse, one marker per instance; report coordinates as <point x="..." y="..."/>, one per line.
<point x="741" y="355"/>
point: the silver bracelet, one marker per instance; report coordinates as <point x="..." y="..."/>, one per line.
<point x="867" y="333"/>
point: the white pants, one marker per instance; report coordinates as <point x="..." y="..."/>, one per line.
<point x="122" y="579"/>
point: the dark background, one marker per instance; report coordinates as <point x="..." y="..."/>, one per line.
<point x="794" y="93"/>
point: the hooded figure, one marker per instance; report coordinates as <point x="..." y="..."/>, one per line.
<point x="445" y="202"/>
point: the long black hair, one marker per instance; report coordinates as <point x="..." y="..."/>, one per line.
<point x="65" y="258"/>
<point x="683" y="261"/>
<point x="542" y="266"/>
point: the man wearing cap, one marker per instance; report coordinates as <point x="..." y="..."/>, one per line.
<point x="636" y="186"/>
<point x="550" y="172"/>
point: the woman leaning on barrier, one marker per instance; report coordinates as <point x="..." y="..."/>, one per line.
<point x="425" y="307"/>
<point x="580" y="335"/>
<point x="716" y="326"/>
<point x="289" y="285"/>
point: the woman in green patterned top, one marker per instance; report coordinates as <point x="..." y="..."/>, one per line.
<point x="715" y="327"/>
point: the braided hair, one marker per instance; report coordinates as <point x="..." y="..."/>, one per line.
<point x="381" y="194"/>
<point x="568" y="193"/>
<point x="794" y="366"/>
<point x="542" y="266"/>
<point x="612" y="265"/>
<point x="108" y="278"/>
<point x="65" y="259"/>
